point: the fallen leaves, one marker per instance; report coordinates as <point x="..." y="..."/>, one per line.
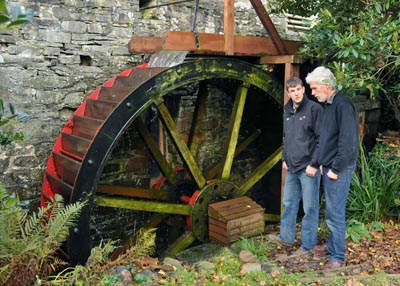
<point x="379" y="253"/>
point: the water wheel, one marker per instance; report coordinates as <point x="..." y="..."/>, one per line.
<point x="152" y="147"/>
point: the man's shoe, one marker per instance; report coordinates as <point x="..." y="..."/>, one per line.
<point x="299" y="253"/>
<point x="320" y="249"/>
<point x="333" y="265"/>
<point x="276" y="239"/>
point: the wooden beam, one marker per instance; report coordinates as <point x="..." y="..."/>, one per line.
<point x="179" y="41"/>
<point x="209" y="44"/>
<point x="290" y="71"/>
<point x="292" y="59"/>
<point x="133" y="192"/>
<point x="229" y="26"/>
<point x="269" y="26"/>
<point x="146" y="45"/>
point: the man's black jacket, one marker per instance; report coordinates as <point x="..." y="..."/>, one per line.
<point x="339" y="135"/>
<point x="301" y="131"/>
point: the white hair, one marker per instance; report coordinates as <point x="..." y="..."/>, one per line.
<point x="322" y="75"/>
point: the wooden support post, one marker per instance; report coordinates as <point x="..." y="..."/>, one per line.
<point x="290" y="71"/>
<point x="229" y="26"/>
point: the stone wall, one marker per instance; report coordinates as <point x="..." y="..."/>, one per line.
<point x="49" y="66"/>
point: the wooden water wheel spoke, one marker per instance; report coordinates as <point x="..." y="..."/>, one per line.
<point x="181" y="145"/>
<point x="233" y="132"/>
<point x="261" y="170"/>
<point x="198" y="115"/>
<point x="183" y="242"/>
<point x="155" y="220"/>
<point x="146" y="206"/>
<point x="133" y="192"/>
<point x="155" y="151"/>
<point x="212" y="172"/>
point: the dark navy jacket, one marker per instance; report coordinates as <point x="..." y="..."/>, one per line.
<point x="339" y="135"/>
<point x="301" y="131"/>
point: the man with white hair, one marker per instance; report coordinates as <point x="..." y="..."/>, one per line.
<point x="338" y="152"/>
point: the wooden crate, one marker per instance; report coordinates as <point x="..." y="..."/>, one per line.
<point x="231" y="219"/>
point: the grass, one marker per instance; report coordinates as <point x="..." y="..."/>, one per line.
<point x="257" y="246"/>
<point x="228" y="273"/>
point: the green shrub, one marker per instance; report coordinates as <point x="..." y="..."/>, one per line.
<point x="357" y="230"/>
<point x="16" y="17"/>
<point x="6" y="136"/>
<point x="375" y="186"/>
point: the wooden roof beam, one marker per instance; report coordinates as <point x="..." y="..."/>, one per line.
<point x="269" y="26"/>
<point x="286" y="59"/>
<point x="210" y="44"/>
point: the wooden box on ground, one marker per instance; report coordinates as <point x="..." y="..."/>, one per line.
<point x="231" y="219"/>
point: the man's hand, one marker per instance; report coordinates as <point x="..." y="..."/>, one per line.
<point x="331" y="175"/>
<point x="311" y="171"/>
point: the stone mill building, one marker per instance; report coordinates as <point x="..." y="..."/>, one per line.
<point x="149" y="110"/>
<point x="48" y="67"/>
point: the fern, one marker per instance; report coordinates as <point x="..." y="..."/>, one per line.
<point x="11" y="218"/>
<point x="29" y="242"/>
<point x="143" y="245"/>
<point x="99" y="261"/>
<point x="61" y="220"/>
<point x="99" y="255"/>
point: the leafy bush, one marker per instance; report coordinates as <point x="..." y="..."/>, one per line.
<point x="358" y="40"/>
<point x="6" y="136"/>
<point x="357" y="230"/>
<point x="8" y="20"/>
<point x="16" y="17"/>
<point x="29" y="242"/>
<point x="375" y="186"/>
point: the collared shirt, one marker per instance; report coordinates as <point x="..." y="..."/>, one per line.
<point x="330" y="100"/>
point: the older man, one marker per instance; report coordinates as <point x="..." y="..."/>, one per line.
<point x="338" y="152"/>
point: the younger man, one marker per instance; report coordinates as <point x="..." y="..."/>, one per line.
<point x="301" y="128"/>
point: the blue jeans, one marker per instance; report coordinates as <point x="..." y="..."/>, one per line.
<point x="299" y="186"/>
<point x="336" y="193"/>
